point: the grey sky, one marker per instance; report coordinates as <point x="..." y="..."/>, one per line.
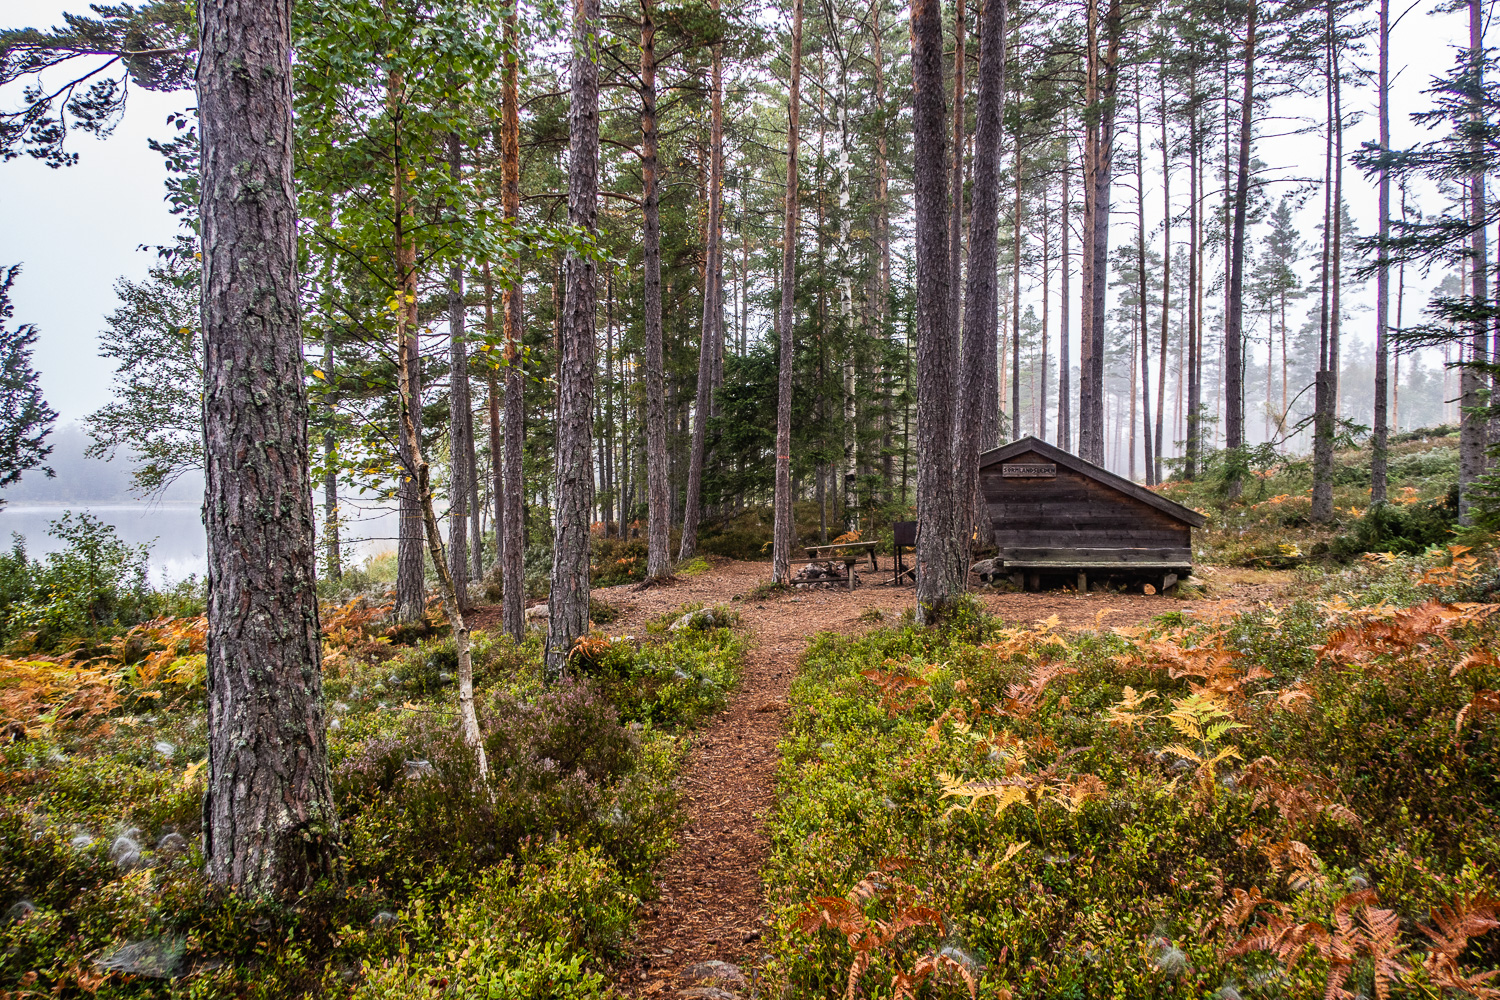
<point x="77" y="229"/>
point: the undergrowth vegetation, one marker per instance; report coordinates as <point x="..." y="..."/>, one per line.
<point x="1283" y="802"/>
<point x="1270" y="524"/>
<point x="521" y="887"/>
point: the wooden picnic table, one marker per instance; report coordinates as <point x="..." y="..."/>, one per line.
<point x="847" y="553"/>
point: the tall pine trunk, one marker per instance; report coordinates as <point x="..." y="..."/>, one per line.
<point x="981" y="293"/>
<point x="1383" y="271"/>
<point x="1472" y="426"/>
<point x="1195" y="267"/>
<point x="411" y="588"/>
<point x="658" y="485"/>
<point x="512" y="527"/>
<point x="1140" y="235"/>
<point x="1166" y="276"/>
<point x="1064" y="365"/>
<point x="940" y="568"/>
<point x="568" y="599"/>
<point x="1324" y="381"/>
<point x="460" y="419"/>
<point x="270" y="828"/>
<point x="1234" y="374"/>
<point x="492" y="400"/>
<point x="330" y="467"/>
<point x="956" y="219"/>
<point x="781" y="545"/>
<point x="713" y="310"/>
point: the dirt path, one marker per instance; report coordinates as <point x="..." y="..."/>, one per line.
<point x="711" y="906"/>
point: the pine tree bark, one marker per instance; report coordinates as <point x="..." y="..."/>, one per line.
<point x="411" y="583"/>
<point x="658" y="485"/>
<point x="940" y="568"/>
<point x="1324" y="391"/>
<point x="981" y="294"/>
<point x="270" y="827"/>
<point x="1105" y="73"/>
<point x="713" y="310"/>
<point x="1473" y="427"/>
<point x="1041" y="408"/>
<point x="1064" y="365"/>
<point x="512" y="526"/>
<point x="330" y="469"/>
<point x="460" y="426"/>
<point x="956" y="218"/>
<point x="1195" y="266"/>
<point x="1234" y="371"/>
<point x="782" y="529"/>
<point x="1015" y="292"/>
<point x="883" y="272"/>
<point x="1140" y="233"/>
<point x="492" y="401"/>
<point x="1166" y="275"/>
<point x="568" y="600"/>
<point x="1381" y="430"/>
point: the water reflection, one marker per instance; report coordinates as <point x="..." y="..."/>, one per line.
<point x="174" y="532"/>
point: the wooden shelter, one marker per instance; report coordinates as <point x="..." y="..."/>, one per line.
<point x="1056" y="515"/>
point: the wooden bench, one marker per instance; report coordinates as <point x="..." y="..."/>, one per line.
<point x="1026" y="564"/>
<point x="847" y="553"/>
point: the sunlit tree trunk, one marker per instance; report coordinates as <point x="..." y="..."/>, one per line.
<point x="1064" y="366"/>
<point x="1472" y="426"/>
<point x="1166" y="274"/>
<point x="1140" y="236"/>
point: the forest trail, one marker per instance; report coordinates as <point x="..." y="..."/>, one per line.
<point x="711" y="906"/>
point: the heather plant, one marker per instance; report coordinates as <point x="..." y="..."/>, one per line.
<point x="1277" y="802"/>
<point x="522" y="886"/>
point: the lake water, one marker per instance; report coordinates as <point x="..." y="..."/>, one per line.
<point x="174" y="532"/>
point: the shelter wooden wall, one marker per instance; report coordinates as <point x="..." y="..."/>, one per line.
<point x="1072" y="515"/>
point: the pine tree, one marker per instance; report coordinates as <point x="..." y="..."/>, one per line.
<point x="25" y="417"/>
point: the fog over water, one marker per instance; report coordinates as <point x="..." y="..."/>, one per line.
<point x="171" y="526"/>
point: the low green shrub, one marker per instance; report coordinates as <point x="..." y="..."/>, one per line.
<point x="1139" y="813"/>
<point x="521" y="886"/>
<point x="90" y="591"/>
<point x="1406" y="528"/>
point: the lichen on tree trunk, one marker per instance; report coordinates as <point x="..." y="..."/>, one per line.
<point x="269" y="821"/>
